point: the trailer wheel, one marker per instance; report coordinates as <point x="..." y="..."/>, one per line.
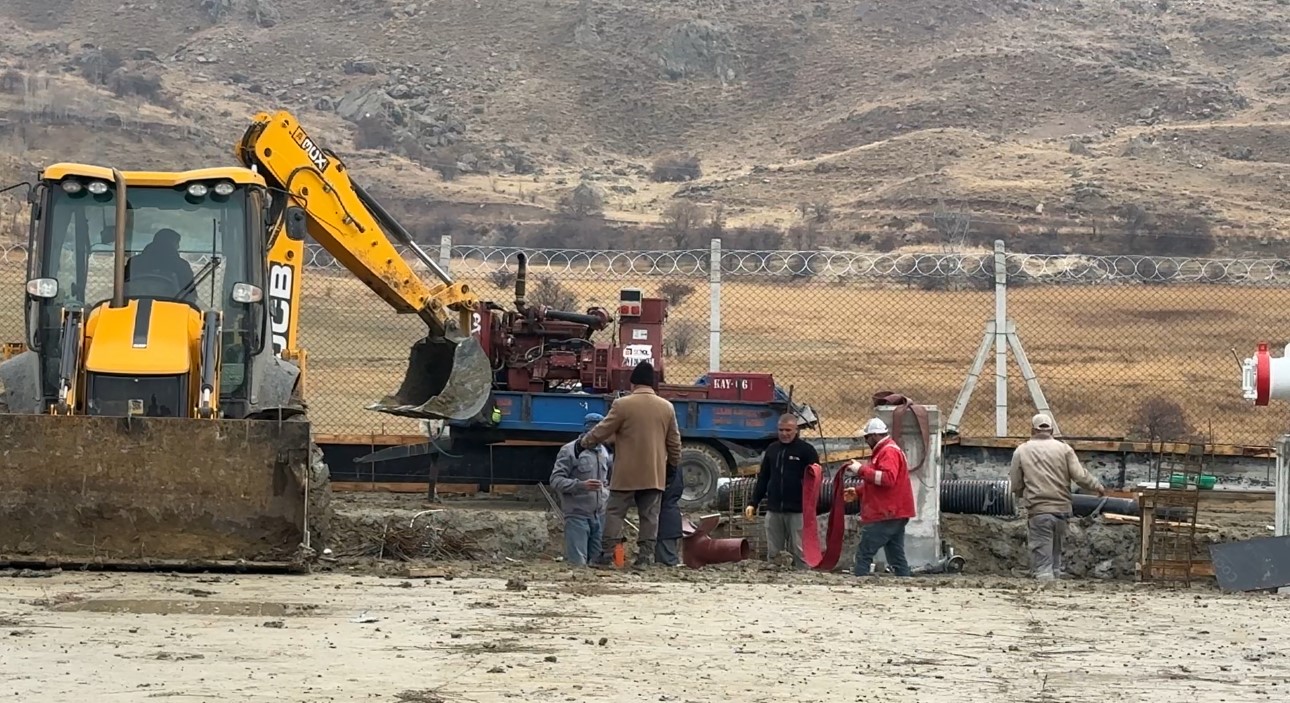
<point x="701" y="466"/>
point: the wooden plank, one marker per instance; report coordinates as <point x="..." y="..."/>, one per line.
<point x="1134" y="520"/>
<point x="416" y="573"/>
<point x="402" y="487"/>
<point x="370" y="440"/>
<point x="1198" y="568"/>
<point x="1116" y="446"/>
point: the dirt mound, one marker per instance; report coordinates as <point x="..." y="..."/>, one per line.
<point x="997" y="547"/>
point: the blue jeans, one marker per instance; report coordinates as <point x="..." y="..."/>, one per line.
<point x="887" y="535"/>
<point x="582" y="539"/>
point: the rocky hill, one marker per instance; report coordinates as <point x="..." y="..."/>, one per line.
<point x="1094" y="125"/>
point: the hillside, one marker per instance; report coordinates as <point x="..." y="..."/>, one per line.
<point x="1061" y="125"/>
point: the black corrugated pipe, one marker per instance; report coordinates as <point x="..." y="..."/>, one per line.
<point x="1082" y="505"/>
<point x="741" y="489"/>
<point x="965" y="497"/>
<point x="977" y="498"/>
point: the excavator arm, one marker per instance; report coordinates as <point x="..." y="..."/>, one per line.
<point x="449" y="375"/>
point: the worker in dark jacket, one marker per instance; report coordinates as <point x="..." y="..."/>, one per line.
<point x="669" y="520"/>
<point x="161" y="258"/>
<point x="779" y="481"/>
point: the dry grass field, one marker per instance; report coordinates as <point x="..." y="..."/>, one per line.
<point x="1101" y="352"/>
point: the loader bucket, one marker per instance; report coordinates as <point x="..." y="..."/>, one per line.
<point x="447" y="378"/>
<point x="159" y="492"/>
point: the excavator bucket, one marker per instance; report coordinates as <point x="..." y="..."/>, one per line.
<point x="159" y="492"/>
<point x="447" y="378"/>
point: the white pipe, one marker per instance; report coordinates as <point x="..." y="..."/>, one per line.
<point x="1265" y="378"/>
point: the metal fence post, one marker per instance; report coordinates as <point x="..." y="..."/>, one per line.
<point x="445" y="252"/>
<point x="714" y="305"/>
<point x="1000" y="340"/>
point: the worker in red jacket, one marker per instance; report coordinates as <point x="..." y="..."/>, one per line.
<point x="886" y="501"/>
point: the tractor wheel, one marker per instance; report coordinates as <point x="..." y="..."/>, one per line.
<point x="701" y="467"/>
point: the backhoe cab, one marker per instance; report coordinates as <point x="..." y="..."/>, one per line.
<point x="150" y="304"/>
<point x="148" y="419"/>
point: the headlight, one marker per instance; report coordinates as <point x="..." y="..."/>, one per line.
<point x="246" y="293"/>
<point x="71" y="185"/>
<point x="223" y="188"/>
<point x="97" y="187"/>
<point x="197" y="190"/>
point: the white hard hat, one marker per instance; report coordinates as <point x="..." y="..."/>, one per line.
<point x="875" y="426"/>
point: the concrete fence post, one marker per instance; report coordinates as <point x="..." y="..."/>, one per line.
<point x="1000" y="340"/>
<point x="445" y="252"/>
<point x="714" y="305"/>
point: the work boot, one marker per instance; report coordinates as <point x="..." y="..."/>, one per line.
<point x="604" y="560"/>
<point x="644" y="555"/>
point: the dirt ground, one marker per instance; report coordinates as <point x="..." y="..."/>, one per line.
<point x="505" y="620"/>
<point x="544" y="633"/>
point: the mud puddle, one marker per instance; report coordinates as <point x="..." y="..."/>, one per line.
<point x="186" y="607"/>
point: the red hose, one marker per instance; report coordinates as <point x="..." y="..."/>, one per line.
<point x="811" y="483"/>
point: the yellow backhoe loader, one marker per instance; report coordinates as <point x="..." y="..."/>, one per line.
<point x="154" y="414"/>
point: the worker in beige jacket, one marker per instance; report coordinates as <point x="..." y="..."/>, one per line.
<point x="647" y="452"/>
<point x="1042" y="471"/>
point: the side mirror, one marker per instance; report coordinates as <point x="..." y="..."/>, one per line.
<point x="42" y="288"/>
<point x="297" y="228"/>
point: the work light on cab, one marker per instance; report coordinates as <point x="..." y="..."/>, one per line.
<point x="43" y="288"/>
<point x="246" y="293"/>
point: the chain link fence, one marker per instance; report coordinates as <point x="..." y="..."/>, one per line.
<point x="1117" y="347"/>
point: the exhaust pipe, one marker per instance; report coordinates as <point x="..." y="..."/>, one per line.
<point x="118" y="252"/>
<point x="521" y="281"/>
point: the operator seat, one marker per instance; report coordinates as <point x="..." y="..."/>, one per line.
<point x="159" y="271"/>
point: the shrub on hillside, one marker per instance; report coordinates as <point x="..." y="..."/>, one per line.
<point x="373" y="132"/>
<point x="124" y="83"/>
<point x="675" y="292"/>
<point x="12" y="81"/>
<point x="548" y="291"/>
<point x="676" y="168"/>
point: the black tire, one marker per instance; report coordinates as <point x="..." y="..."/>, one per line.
<point x="701" y="466"/>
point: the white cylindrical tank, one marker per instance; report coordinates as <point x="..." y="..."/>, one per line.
<point x="1264" y="378"/>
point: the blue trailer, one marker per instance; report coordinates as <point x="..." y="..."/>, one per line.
<point x="520" y="447"/>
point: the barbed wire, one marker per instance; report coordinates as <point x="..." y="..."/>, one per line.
<point x="468" y="260"/>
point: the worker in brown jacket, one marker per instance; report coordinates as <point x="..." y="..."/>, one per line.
<point x="1043" y="468"/>
<point x="647" y="449"/>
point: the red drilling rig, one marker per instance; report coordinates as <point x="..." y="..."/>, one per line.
<point x="535" y="349"/>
